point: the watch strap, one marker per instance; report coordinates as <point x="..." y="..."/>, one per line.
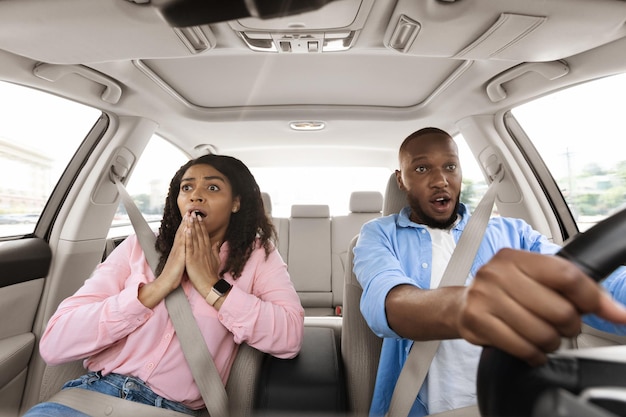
<point x="212" y="297"/>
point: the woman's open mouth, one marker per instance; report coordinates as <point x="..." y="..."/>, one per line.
<point x="198" y="213"/>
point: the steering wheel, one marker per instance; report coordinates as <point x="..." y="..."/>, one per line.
<point x="508" y="387"/>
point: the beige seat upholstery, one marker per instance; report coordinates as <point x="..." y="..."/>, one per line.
<point x="267" y="203"/>
<point x="309" y="257"/>
<point x="360" y="347"/>
<point x="364" y="206"/>
<point x="282" y="227"/>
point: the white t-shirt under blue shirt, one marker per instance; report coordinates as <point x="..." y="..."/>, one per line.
<point x="451" y="383"/>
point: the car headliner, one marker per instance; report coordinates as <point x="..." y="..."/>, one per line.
<point x="205" y="88"/>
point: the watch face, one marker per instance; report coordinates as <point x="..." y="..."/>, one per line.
<point x="222" y="286"/>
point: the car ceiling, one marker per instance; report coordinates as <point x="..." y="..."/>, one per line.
<point x="206" y="88"/>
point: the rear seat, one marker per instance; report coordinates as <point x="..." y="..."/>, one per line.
<point x="282" y="227"/>
<point x="364" y="206"/>
<point x="309" y="257"/>
<point x="317" y="249"/>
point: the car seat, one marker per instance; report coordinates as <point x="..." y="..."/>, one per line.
<point x="360" y="347"/>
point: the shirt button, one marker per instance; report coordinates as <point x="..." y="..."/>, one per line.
<point x="424" y="265"/>
<point x="150" y="365"/>
<point x="422" y="231"/>
<point x="167" y="336"/>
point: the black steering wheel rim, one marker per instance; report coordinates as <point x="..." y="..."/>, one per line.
<point x="507" y="386"/>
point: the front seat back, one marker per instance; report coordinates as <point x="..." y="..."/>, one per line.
<point x="360" y="347"/>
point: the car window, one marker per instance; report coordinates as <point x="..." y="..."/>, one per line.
<point x="39" y="133"/>
<point x="317" y="185"/>
<point x="333" y="185"/>
<point x="580" y="135"/>
<point x="149" y="184"/>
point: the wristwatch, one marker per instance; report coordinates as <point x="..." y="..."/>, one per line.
<point x="219" y="290"/>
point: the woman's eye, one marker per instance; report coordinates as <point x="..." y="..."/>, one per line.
<point x="213" y="188"/>
<point x="185" y="187"/>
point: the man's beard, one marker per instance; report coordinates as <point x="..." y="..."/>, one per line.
<point x="429" y="221"/>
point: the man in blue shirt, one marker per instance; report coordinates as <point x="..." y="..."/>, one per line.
<point x="515" y="298"/>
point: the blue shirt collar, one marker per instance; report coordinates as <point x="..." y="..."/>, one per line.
<point x="405" y="221"/>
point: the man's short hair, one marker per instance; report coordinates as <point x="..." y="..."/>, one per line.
<point x="422" y="132"/>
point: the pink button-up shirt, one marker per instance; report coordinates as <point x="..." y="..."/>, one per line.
<point x="105" y="323"/>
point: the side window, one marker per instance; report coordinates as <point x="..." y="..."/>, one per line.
<point x="39" y="133"/>
<point x="149" y="184"/>
<point x="579" y="134"/>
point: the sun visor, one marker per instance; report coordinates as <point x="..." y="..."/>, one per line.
<point x="510" y="30"/>
<point x="110" y="31"/>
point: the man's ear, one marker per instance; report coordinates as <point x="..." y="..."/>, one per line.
<point x="399" y="180"/>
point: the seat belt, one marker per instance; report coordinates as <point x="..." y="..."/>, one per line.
<point x="192" y="343"/>
<point x="97" y="404"/>
<point x="422" y="353"/>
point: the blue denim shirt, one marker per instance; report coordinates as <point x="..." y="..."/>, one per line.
<point x="392" y="250"/>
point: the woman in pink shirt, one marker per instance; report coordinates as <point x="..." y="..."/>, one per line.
<point x="215" y="241"/>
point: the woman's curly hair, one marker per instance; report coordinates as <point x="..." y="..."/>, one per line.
<point x="245" y="225"/>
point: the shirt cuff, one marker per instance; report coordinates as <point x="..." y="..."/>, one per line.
<point x="129" y="306"/>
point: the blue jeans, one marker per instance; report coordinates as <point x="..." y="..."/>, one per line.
<point x="132" y="389"/>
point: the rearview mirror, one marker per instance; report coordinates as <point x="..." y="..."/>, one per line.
<point x="182" y="13"/>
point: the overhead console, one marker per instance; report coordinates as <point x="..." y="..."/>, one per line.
<point x="333" y="28"/>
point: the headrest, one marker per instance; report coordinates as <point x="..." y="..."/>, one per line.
<point x="366" y="202"/>
<point x="267" y="203"/>
<point x="310" y="210"/>
<point x="395" y="199"/>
